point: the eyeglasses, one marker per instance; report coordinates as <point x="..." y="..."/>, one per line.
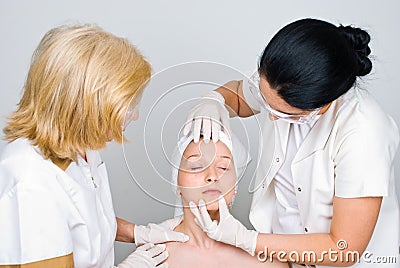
<point x="254" y="86"/>
<point x="131" y="115"/>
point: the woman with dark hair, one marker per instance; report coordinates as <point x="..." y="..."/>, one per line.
<point x="324" y="189"/>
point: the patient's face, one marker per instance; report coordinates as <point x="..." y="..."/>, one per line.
<point x="206" y="172"/>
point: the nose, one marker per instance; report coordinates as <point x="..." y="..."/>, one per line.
<point x="212" y="175"/>
<point x="136" y="116"/>
<point x="273" y="117"/>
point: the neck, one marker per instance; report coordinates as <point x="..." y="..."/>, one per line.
<point x="325" y="108"/>
<point x="198" y="238"/>
<point x="61" y="163"/>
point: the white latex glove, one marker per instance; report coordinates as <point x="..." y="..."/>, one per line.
<point x="229" y="230"/>
<point x="146" y="256"/>
<point x="159" y="233"/>
<point x="208" y="116"/>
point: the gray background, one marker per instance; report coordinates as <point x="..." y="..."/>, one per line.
<point x="231" y="34"/>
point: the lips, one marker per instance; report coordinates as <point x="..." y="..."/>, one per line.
<point x="212" y="192"/>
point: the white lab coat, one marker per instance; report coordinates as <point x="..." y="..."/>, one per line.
<point x="47" y="213"/>
<point x="348" y="153"/>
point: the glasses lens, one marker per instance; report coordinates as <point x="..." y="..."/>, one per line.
<point x="254" y="86"/>
<point x="131" y="114"/>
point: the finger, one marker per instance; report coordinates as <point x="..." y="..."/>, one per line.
<point x="225" y="124"/>
<point x="216" y="127"/>
<point x="227" y="130"/>
<point x="145" y="246"/>
<point x="156" y="250"/>
<point x="161" y="257"/>
<point x="197" y="129"/>
<point x="188" y="126"/>
<point x="204" y="214"/>
<point x="223" y="208"/>
<point x="163" y="265"/>
<point x="176" y="237"/>
<point x="195" y="211"/>
<point x="206" y="129"/>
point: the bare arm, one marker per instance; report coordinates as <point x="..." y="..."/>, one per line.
<point x="353" y="221"/>
<point x="232" y="92"/>
<point x="125" y="231"/>
<point x="66" y="261"/>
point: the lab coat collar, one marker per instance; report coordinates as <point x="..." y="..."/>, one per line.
<point x="282" y="132"/>
<point x="319" y="134"/>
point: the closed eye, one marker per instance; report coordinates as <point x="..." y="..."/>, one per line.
<point x="196" y="168"/>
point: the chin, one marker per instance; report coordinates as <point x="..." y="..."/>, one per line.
<point x="212" y="207"/>
<point x="212" y="201"/>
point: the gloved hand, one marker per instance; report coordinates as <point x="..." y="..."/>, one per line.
<point x="229" y="230"/>
<point x="208" y="116"/>
<point x="146" y="256"/>
<point x="159" y="233"/>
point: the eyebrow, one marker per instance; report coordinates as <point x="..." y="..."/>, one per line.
<point x="193" y="155"/>
<point x="198" y="155"/>
<point x="295" y="114"/>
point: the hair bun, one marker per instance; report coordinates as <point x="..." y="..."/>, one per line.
<point x="359" y="40"/>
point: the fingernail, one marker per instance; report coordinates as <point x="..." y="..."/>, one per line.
<point x="192" y="204"/>
<point x="201" y="203"/>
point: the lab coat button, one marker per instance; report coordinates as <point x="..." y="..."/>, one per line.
<point x="306" y="230"/>
<point x="277" y="159"/>
<point x="299" y="189"/>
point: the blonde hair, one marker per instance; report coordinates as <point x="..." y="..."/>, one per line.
<point x="79" y="87"/>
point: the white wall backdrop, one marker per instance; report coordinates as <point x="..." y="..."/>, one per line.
<point x="223" y="38"/>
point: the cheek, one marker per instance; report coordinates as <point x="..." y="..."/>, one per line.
<point x="190" y="186"/>
<point x="186" y="179"/>
<point x="227" y="181"/>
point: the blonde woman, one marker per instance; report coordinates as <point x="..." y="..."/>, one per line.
<point x="81" y="91"/>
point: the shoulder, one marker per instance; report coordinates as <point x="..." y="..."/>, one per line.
<point x="34" y="217"/>
<point x="182" y="255"/>
<point x="361" y="114"/>
<point x="21" y="163"/>
<point x="19" y="153"/>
